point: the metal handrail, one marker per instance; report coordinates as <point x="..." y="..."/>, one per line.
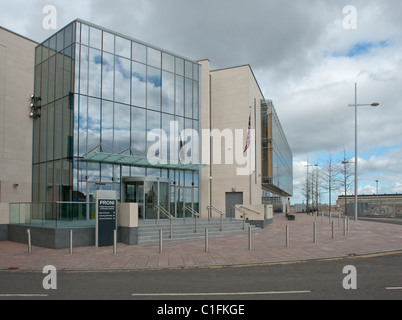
<point x="244" y="216"/>
<point x="250" y="210"/>
<point x="210" y="208"/>
<point x="167" y="214"/>
<point x="194" y="213"/>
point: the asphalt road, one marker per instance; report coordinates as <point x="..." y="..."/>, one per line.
<point x="377" y="276"/>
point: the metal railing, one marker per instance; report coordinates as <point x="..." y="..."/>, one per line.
<point x="168" y="215"/>
<point x="244" y="216"/>
<point x="194" y="213"/>
<point x="53" y="214"/>
<point x="210" y="208"/>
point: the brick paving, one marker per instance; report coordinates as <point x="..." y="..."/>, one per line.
<point x="268" y="245"/>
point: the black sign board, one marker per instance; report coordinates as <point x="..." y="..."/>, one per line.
<point x="106" y="222"/>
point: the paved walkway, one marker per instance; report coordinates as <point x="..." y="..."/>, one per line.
<point x="268" y="245"/>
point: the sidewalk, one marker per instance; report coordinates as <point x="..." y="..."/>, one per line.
<point x="268" y="245"/>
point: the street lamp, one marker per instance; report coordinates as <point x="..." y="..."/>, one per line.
<point x="355" y="105"/>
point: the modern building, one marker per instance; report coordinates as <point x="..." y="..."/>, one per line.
<point x="16" y="86"/>
<point x="164" y="131"/>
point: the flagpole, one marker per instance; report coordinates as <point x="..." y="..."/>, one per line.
<point x="249" y="151"/>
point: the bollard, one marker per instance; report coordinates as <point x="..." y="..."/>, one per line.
<point x="29" y="241"/>
<point x="339" y="219"/>
<point x="287" y="237"/>
<point x="206" y="240"/>
<point x="347" y="225"/>
<point x="333" y="234"/>
<point x="315" y="232"/>
<point x="115" y="242"/>
<point x="249" y="238"/>
<point x="344" y="226"/>
<point x="160" y="241"/>
<point x="71" y="241"/>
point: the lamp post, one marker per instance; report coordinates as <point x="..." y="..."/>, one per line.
<point x="355" y="105"/>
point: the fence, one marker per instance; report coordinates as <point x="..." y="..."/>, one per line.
<point x="53" y="215"/>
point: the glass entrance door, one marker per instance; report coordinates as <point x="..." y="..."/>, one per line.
<point x="147" y="193"/>
<point x="183" y="197"/>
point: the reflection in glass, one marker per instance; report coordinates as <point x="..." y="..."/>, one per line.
<point x="107" y="76"/>
<point x="167" y="62"/>
<point x="122" y="80"/>
<point x="95" y="38"/>
<point x="189" y="98"/>
<point x="138" y="132"/>
<point x="121" y="128"/>
<point x="196" y="100"/>
<point x="59" y="75"/>
<point x="60" y="41"/>
<point x="153" y="122"/>
<point x="108" y="42"/>
<point x="83" y="122"/>
<point x="167" y="92"/>
<point x="180" y="95"/>
<point x="180" y="66"/>
<point x="94" y="74"/>
<point x="84" y="70"/>
<point x="154" y="57"/>
<point x="52" y="78"/>
<point x="123" y="47"/>
<point x="139" y="52"/>
<point x="189" y="69"/>
<point x="107" y="126"/>
<point x="93" y="124"/>
<point x="84" y="34"/>
<point x="139" y="86"/>
<point x="154" y="83"/>
<point x="50" y="131"/>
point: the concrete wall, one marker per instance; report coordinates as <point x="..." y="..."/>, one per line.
<point x="226" y="98"/>
<point x="17" y="56"/>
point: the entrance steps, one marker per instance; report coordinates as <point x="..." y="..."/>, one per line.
<point x="148" y="230"/>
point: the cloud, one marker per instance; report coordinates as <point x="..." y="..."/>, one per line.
<point x="303" y="59"/>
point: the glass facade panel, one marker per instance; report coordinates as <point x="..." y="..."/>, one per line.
<point x="138" y="132"/>
<point x="94" y="73"/>
<point x="168" y="91"/>
<point x="107" y="126"/>
<point x="123" y="47"/>
<point x="154" y="85"/>
<point x="95" y="38"/>
<point x="122" y="80"/>
<point x="139" y="84"/>
<point x="154" y="57"/>
<point x="139" y="52"/>
<point x="179" y="95"/>
<point x="121" y="129"/>
<point x="108" y="76"/>
<point x="102" y="92"/>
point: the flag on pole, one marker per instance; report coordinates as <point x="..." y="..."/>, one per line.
<point x="248" y="134"/>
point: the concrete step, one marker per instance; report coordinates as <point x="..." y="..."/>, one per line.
<point x="148" y="231"/>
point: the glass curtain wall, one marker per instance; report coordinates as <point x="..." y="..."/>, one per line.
<point x="104" y="92"/>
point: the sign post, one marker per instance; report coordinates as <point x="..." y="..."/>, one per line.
<point x="106" y="209"/>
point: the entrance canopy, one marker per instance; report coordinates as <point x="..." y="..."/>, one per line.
<point x="126" y="160"/>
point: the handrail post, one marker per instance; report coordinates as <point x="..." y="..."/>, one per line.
<point x="29" y="241"/>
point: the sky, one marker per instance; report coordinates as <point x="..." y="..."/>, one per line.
<point x="307" y="56"/>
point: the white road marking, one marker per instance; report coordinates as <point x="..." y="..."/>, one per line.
<point x="217" y="294"/>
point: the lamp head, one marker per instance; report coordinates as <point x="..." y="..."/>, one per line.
<point x="375" y="104"/>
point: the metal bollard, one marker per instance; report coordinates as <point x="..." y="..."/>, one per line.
<point x="29" y="241"/>
<point x="160" y="241"/>
<point x="249" y="238"/>
<point x="206" y="240"/>
<point x="333" y="233"/>
<point x="287" y="237"/>
<point x="71" y="241"/>
<point x="315" y="232"/>
<point x="344" y="226"/>
<point x="114" y="242"/>
<point x="347" y="225"/>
